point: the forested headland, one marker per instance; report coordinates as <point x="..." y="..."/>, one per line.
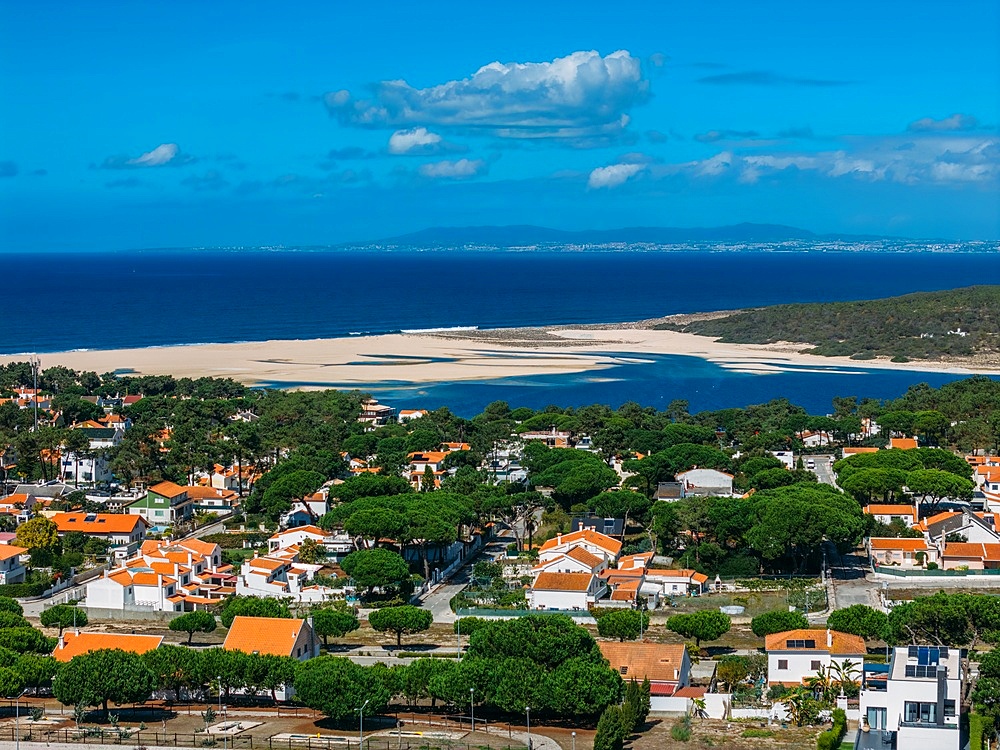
<point x="957" y="323"/>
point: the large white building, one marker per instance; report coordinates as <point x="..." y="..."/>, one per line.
<point x="913" y="702"/>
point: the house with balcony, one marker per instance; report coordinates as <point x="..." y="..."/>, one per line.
<point x="913" y="701"/>
<point x="165" y="504"/>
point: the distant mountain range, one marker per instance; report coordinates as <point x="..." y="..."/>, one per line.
<point x="508" y="236"/>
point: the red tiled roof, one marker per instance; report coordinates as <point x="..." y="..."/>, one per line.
<point x="908" y="544"/>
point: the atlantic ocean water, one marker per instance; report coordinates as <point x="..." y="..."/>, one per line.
<point x="152" y="298"/>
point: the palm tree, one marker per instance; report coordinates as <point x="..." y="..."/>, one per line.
<point x="845" y="673"/>
<point x="698" y="706"/>
<point x="821" y="683"/>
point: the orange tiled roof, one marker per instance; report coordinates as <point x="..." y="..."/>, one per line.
<point x="623" y="594"/>
<point x="430" y="457"/>
<point x="198" y="546"/>
<point x="978" y="550"/>
<point x="102" y="523"/>
<point x="903" y="444"/>
<point x="903" y="543"/>
<point x="563" y="581"/>
<point x="274" y="636"/>
<point x="888" y="509"/>
<point x="612" y="546"/>
<point x="18" y="499"/>
<point x="308" y="528"/>
<point x="266" y="563"/>
<point x="8" y="551"/>
<point x="168" y="489"/>
<point x="582" y="556"/>
<point x="74" y="644"/>
<point x="853" y="451"/>
<point x="660" y="662"/>
<point x="843" y="643"/>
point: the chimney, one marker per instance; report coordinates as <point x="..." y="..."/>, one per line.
<point x="829" y="638"/>
<point x="62" y="641"/>
<point x="558" y="538"/>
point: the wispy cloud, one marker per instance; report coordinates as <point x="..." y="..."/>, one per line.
<point x="725" y="135"/>
<point x="166" y="154"/>
<point x="462" y="169"/>
<point x="933" y="159"/>
<point x="582" y="95"/>
<point x="767" y="78"/>
<point x="956" y="122"/>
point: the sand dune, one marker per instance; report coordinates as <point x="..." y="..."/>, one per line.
<point x="450" y="356"/>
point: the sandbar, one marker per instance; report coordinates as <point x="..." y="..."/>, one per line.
<point x="460" y="356"/>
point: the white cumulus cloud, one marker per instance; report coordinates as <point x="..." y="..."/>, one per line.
<point x="418" y="142"/>
<point x="613" y="175"/>
<point x="166" y="154"/>
<point x="578" y="96"/>
<point x="462" y="169"/>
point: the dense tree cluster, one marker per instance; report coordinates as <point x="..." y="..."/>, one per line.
<point x="913" y="326"/>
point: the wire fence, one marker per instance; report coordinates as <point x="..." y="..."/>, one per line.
<point x="142" y="739"/>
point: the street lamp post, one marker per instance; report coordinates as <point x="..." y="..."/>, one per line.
<point x="573" y="735"/>
<point x="472" y="706"/>
<point x="220" y="696"/>
<point x="361" y="724"/>
<point x="527" y="722"/>
<point x="17" y="720"/>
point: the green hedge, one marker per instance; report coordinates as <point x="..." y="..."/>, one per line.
<point x="235" y="541"/>
<point x="16" y="590"/>
<point x="977" y="725"/>
<point x="832" y="737"/>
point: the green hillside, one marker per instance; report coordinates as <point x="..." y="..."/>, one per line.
<point x="914" y="326"/>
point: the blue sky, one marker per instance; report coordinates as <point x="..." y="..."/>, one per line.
<point x="240" y="123"/>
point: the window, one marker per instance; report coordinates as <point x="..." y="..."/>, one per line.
<point x="923" y="713"/>
<point x="949" y="709"/>
<point x="796" y="643"/>
<point x="782" y="663"/>
<point x="814" y="664"/>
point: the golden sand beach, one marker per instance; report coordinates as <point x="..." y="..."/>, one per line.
<point x="451" y="356"/>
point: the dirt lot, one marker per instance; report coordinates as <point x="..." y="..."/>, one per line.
<point x="726" y="735"/>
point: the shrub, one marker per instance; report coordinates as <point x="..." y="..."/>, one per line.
<point x="832" y="737"/>
<point x="761" y="733"/>
<point x="681" y="731"/>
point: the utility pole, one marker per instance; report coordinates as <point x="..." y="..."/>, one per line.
<point x="34" y="396"/>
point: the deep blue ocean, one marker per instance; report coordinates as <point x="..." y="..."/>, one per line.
<point x="139" y="299"/>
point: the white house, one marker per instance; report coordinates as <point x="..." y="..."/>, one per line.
<point x="706" y="482"/>
<point x="678" y="582"/>
<point x="281" y="574"/>
<point x="11" y="568"/>
<point x="796" y="655"/>
<point x="577" y="591"/>
<point x="913" y="702"/>
<point x="127" y="588"/>
<point x="594" y="542"/>
<point x="292" y="537"/>
<point x="887" y="513"/>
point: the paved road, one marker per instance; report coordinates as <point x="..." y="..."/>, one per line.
<point x="439" y="600"/>
<point x="824" y="469"/>
<point x="851" y="584"/>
